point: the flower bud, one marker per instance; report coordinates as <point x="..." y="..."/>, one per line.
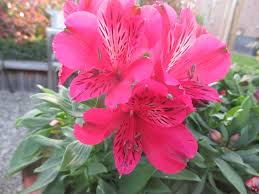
<point x="53" y="123"/>
<point x="256" y="94"/>
<point x="253" y="185"/>
<point x="222" y="92"/>
<point x="215" y="135"/>
<point x="234" y="138"/>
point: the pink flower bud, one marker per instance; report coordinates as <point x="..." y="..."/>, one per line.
<point x="222" y="92"/>
<point x="256" y="94"/>
<point x="234" y="138"/>
<point x="253" y="185"/>
<point x="215" y="135"/>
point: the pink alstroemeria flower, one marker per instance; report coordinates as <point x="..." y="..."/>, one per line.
<point x="104" y="46"/>
<point x="151" y="122"/>
<point x="188" y="56"/>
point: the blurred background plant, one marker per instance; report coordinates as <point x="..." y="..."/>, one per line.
<point x="22" y="27"/>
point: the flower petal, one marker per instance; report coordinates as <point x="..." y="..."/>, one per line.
<point x="199" y="91"/>
<point x="69" y="8"/>
<point x="139" y="70"/>
<point x="76" y="49"/>
<point x="90" y="5"/>
<point x="119" y="94"/>
<point x="181" y="38"/>
<point x="160" y="110"/>
<point x="168" y="149"/>
<point x="120" y="28"/>
<point x="208" y="61"/>
<point x="152" y="18"/>
<point x="127" y="146"/>
<point x="99" y="124"/>
<point x="91" y="84"/>
<point x="64" y="74"/>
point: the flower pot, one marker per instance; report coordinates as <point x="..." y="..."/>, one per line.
<point x="29" y="177"/>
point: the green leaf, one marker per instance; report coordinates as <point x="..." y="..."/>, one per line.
<point x="231" y="175"/>
<point x="213" y="184"/>
<point x="53" y="162"/>
<point x="135" y="182"/>
<point x="76" y="155"/>
<point x="56" y="187"/>
<point x="200" y="186"/>
<point x="236" y="159"/>
<point x="232" y="157"/>
<point x="30" y="114"/>
<point x="207" y="144"/>
<point x="232" y="113"/>
<point x="251" y="151"/>
<point x="95" y="168"/>
<point x="156" y="186"/>
<point x="34" y="123"/>
<point x="45" y="141"/>
<point x="186" y="175"/>
<point x="68" y="132"/>
<point x="25" y="154"/>
<point x="104" y="188"/>
<point x="43" y="180"/>
<point x="59" y="102"/>
<point x="184" y="189"/>
<point x="199" y="161"/>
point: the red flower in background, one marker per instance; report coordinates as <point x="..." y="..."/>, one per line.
<point x="151" y="123"/>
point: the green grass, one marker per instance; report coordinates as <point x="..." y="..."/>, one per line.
<point x="245" y="64"/>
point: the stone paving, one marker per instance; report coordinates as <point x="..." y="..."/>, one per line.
<point x="12" y="105"/>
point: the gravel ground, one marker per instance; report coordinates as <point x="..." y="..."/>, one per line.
<point x="11" y="107"/>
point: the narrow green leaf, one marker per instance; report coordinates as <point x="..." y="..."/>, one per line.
<point x="186" y="175"/>
<point x="200" y="186"/>
<point x="95" y="168"/>
<point x="199" y="161"/>
<point x="53" y="162"/>
<point x="25" y="154"/>
<point x="207" y="144"/>
<point x="68" y="131"/>
<point x="59" y="102"/>
<point x="231" y="175"/>
<point x="213" y="184"/>
<point x="135" y="182"/>
<point x="104" y="188"/>
<point x="236" y="159"/>
<point x="156" y="186"/>
<point x="76" y="155"/>
<point x="45" y="141"/>
<point x="56" y="187"/>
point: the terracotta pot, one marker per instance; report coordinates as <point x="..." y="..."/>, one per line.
<point x="28" y="178"/>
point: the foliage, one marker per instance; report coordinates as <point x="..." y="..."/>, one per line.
<point x="29" y="50"/>
<point x="24" y="20"/>
<point x="221" y="166"/>
<point x="245" y="64"/>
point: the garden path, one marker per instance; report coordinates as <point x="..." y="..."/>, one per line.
<point x="12" y="105"/>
